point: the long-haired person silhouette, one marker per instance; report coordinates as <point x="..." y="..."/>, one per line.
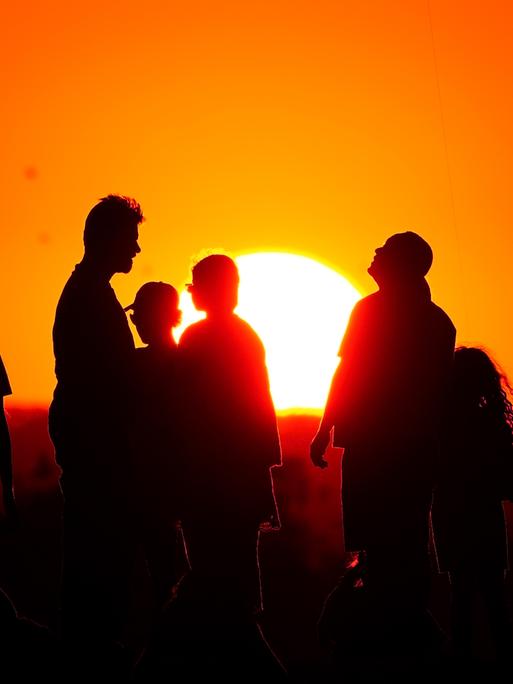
<point x="231" y="444"/>
<point x="475" y="477"/>
<point x="384" y="408"/>
<point x="90" y="418"/>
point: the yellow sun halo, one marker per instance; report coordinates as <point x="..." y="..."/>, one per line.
<point x="300" y="309"/>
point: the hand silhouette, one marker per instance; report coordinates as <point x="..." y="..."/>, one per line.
<point x="318" y="448"/>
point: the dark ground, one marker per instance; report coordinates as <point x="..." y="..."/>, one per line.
<point x="300" y="564"/>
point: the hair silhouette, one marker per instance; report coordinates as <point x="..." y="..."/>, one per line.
<point x="155" y="312"/>
<point x="404" y="256"/>
<point x="478" y="381"/>
<point x="108" y="219"/>
<point x="215" y="282"/>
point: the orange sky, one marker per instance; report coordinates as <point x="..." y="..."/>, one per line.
<point x="312" y="127"/>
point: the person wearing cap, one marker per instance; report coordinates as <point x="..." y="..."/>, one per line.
<point x="89" y="422"/>
<point x="155" y="313"/>
<point x="231" y="444"/>
<point x="385" y="408"/>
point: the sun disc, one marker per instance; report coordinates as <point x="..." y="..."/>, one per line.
<point x="300" y="309"/>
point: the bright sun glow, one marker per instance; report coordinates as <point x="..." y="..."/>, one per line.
<point x="300" y="310"/>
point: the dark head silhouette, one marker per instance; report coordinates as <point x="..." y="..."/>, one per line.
<point x="215" y="283"/>
<point x="155" y="313"/>
<point x="478" y="381"/>
<point x="111" y="233"/>
<point x="404" y="256"/>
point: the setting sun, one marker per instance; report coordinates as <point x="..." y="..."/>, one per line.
<point x="300" y="309"/>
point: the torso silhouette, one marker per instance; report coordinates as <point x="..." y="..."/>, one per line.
<point x="232" y="434"/>
<point x="158" y="464"/>
<point x="158" y="427"/>
<point x="396" y="356"/>
<point x="90" y="420"/>
<point x="94" y="351"/>
<point x="231" y="442"/>
<point x="396" y="362"/>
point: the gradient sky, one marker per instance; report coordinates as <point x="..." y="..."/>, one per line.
<point x="317" y="128"/>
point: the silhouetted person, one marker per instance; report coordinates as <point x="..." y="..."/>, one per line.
<point x="157" y="441"/>
<point x="384" y="407"/>
<point x="90" y="420"/>
<point x="476" y="475"/>
<point x="231" y="443"/>
<point x="5" y="452"/>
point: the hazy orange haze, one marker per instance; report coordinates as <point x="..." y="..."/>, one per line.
<point x="317" y="128"/>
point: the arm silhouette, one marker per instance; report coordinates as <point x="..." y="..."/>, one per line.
<point x="6" y="467"/>
<point x="323" y="438"/>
